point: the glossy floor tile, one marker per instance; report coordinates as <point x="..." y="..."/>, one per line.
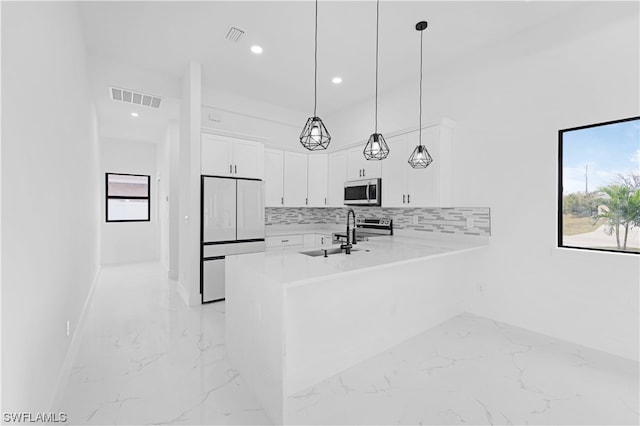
<point x="472" y="370"/>
<point x="146" y="358"/>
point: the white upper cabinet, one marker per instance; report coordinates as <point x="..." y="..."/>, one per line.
<point x="359" y="167"/>
<point x="295" y="179"/>
<point x="404" y="186"/>
<point x="225" y="156"/>
<point x="317" y="180"/>
<point x="248" y="159"/>
<point x="394" y="172"/>
<point x="216" y="157"/>
<point x="273" y="178"/>
<point x="337" y="170"/>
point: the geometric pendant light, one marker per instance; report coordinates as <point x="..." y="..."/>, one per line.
<point x="376" y="147"/>
<point x="315" y="135"/>
<point x="420" y="158"/>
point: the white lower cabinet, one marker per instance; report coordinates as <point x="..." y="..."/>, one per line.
<point x="404" y="186"/>
<point x="316" y="240"/>
<point x="284" y="242"/>
<point x="309" y="240"/>
<point x="298" y="241"/>
<point x="324" y="239"/>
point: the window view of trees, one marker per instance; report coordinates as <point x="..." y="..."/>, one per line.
<point x="607" y="158"/>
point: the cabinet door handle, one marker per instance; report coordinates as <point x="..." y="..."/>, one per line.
<point x="408" y="198"/>
<point x="230" y="168"/>
<point x="306" y="201"/>
<point x="403" y="198"/>
<point x="281" y="200"/>
<point x="235" y="168"/>
<point x="363" y="173"/>
<point x="322" y="240"/>
<point x="285" y="241"/>
<point x="325" y="201"/>
<point x="360" y="172"/>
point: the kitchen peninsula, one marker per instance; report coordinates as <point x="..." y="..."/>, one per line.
<point x="293" y="320"/>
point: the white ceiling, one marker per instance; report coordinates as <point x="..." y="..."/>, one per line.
<point x="162" y="37"/>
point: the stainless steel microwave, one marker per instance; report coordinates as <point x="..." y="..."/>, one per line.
<point x="366" y="192"/>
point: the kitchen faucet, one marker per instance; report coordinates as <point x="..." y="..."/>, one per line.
<point x="351" y="239"/>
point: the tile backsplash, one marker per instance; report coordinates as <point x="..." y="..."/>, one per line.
<point x="448" y="220"/>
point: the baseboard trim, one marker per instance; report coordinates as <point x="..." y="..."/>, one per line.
<point x="72" y="351"/>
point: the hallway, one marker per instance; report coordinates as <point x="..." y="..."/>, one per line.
<point x="146" y="358"/>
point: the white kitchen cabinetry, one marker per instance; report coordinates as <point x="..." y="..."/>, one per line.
<point x="324" y="239"/>
<point x="295" y="179"/>
<point x="404" y="186"/>
<point x="225" y="156"/>
<point x="359" y="167"/>
<point x="317" y="180"/>
<point x="337" y="170"/>
<point x="308" y="240"/>
<point x="284" y="242"/>
<point x="273" y="178"/>
<point x="316" y="240"/>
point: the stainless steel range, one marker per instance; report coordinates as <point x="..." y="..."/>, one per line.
<point x="367" y="228"/>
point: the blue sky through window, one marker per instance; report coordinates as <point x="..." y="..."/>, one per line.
<point x="607" y="150"/>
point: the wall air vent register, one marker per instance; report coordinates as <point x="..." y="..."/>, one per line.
<point x="133" y="97"/>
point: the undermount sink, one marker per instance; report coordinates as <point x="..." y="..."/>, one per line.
<point x="316" y="253"/>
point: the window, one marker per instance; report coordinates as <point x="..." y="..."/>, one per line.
<point x="599" y="186"/>
<point x="128" y="197"/>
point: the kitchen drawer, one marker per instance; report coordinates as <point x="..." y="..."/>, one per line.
<point x="213" y="250"/>
<point x="283" y="241"/>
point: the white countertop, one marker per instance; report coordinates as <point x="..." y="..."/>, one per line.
<point x="294" y="268"/>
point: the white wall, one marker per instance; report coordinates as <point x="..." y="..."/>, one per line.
<point x="124" y="242"/>
<point x="174" y="198"/>
<point x="168" y="200"/>
<point x="50" y="176"/>
<point x="252" y="119"/>
<point x="509" y="103"/>
<point x="189" y="207"/>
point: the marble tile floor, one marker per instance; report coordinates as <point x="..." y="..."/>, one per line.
<point x="146" y="358"/>
<point x="476" y="371"/>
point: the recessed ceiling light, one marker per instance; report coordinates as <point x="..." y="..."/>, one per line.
<point x="134" y="114"/>
<point x="256" y="49"/>
<point x="336" y="80"/>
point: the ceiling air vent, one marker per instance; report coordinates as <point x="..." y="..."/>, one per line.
<point x="133" y="97"/>
<point x="234" y="34"/>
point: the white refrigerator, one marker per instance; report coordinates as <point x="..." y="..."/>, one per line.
<point x="232" y="222"/>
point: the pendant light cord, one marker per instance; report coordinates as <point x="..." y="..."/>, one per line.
<point x="420" y="120"/>
<point x="315" y="73"/>
<point x="377" y="30"/>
